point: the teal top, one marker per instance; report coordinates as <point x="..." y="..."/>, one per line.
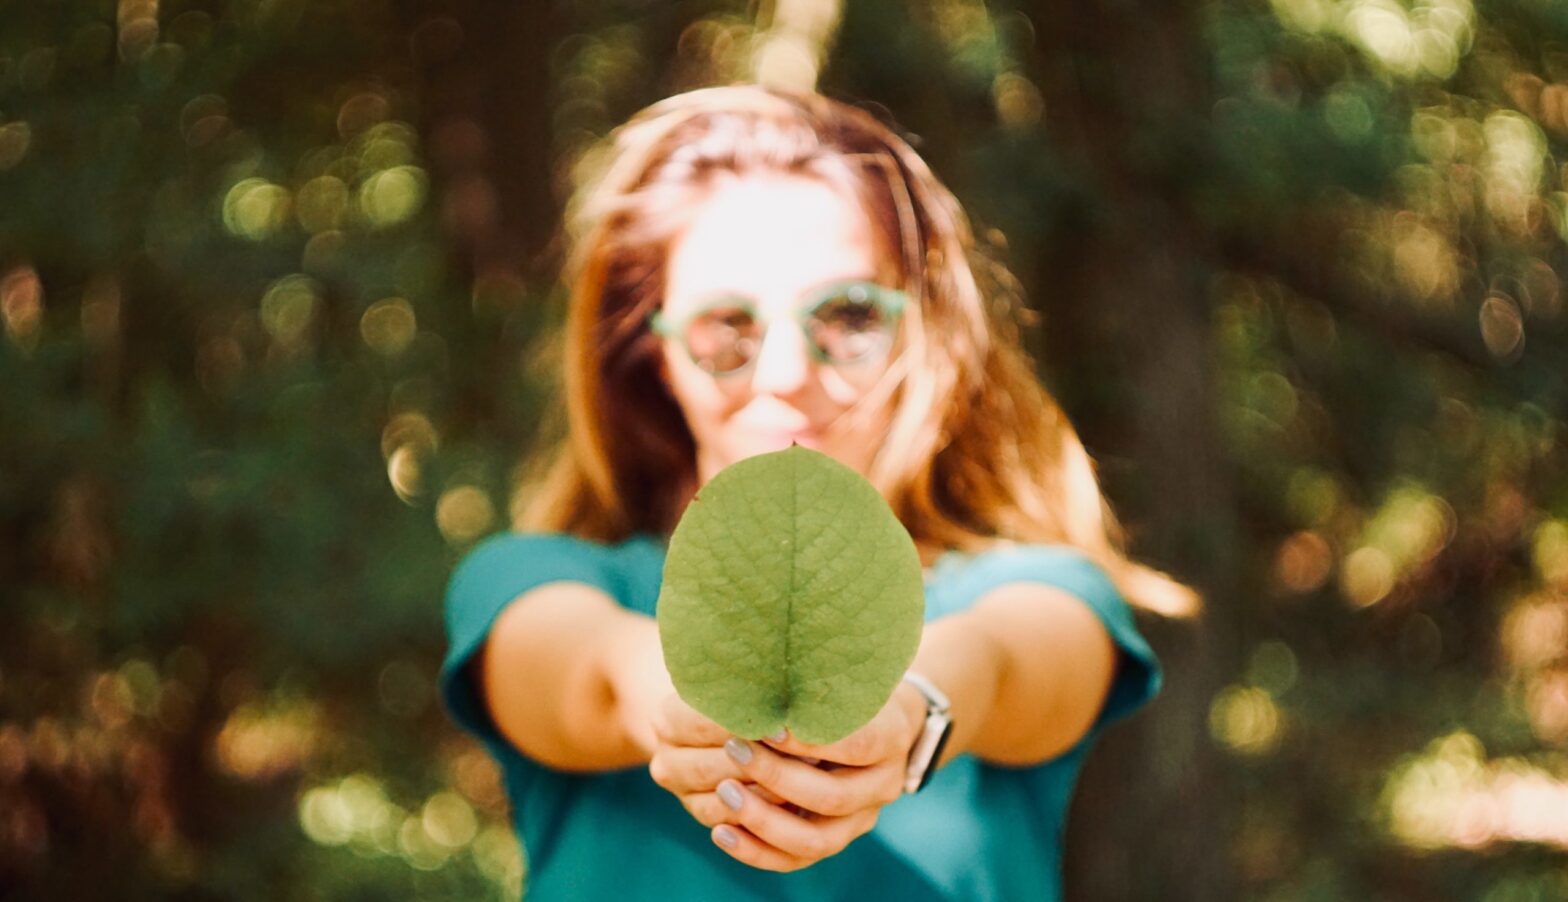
<point x="976" y="832"/>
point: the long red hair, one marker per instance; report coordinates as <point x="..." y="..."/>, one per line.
<point x="977" y="452"/>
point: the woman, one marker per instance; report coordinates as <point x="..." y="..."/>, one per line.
<point x="753" y="269"/>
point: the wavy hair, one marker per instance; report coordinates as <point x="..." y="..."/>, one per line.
<point x="977" y="450"/>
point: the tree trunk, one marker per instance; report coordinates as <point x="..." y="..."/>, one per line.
<point x="1127" y="295"/>
<point x="484" y="71"/>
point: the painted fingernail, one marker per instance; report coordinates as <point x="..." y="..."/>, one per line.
<point x="725" y="837"/>
<point x="730" y="795"/>
<point x="737" y="749"/>
<point x="780" y="736"/>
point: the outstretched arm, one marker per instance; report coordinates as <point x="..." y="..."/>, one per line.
<point x="1027" y="669"/>
<point x="572" y="679"/>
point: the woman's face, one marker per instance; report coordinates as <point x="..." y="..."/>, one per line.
<point x="775" y="241"/>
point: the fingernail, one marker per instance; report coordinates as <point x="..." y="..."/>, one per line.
<point x="737" y="749"/>
<point x="780" y="736"/>
<point x="730" y="795"/>
<point x="725" y="837"/>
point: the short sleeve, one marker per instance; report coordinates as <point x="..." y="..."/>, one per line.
<point x="1138" y="675"/>
<point x="493" y="574"/>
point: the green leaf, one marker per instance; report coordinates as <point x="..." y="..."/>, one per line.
<point x="792" y="597"/>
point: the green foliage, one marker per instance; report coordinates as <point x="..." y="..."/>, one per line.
<point x="792" y="597"/>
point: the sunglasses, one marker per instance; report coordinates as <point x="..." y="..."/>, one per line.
<point x="845" y="323"/>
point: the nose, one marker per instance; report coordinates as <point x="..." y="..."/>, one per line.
<point x="782" y="366"/>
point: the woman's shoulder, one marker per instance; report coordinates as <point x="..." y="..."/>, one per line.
<point x="519" y="538"/>
<point x="1064" y="568"/>
<point x="1001" y="560"/>
<point x="514" y="548"/>
<point x="960" y="578"/>
<point x="503" y="566"/>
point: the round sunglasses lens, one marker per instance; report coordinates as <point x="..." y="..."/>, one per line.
<point x="850" y="327"/>
<point x="723" y="339"/>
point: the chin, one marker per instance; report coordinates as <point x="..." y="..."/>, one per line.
<point x="754" y="443"/>
<point x="751" y="444"/>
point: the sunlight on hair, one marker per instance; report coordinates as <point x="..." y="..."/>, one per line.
<point x="790" y="53"/>
<point x="970" y="416"/>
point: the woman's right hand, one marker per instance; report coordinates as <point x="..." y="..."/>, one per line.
<point x="701" y="763"/>
<point x="689" y="760"/>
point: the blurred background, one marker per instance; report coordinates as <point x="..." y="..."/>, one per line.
<point x="276" y="283"/>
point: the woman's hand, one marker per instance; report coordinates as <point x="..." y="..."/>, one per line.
<point x="780" y="804"/>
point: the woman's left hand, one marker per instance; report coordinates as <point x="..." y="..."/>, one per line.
<point x="837" y="801"/>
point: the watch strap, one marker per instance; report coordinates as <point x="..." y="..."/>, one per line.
<point x="927" y="749"/>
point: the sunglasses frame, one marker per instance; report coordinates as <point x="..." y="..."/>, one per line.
<point x="890" y="301"/>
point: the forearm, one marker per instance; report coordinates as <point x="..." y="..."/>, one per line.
<point x="569" y="676"/>
<point x="631" y="664"/>
<point x="1026" y="669"/>
<point x="960" y="657"/>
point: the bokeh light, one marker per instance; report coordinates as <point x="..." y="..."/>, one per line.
<point x="256" y="209"/>
<point x="1452" y="795"/>
<point x="289" y="307"/>
<point x="265" y="741"/>
<point x="1367" y="576"/>
<point x="16" y="138"/>
<point x="391" y="196"/>
<point x="322" y="204"/>
<point x="388" y="326"/>
<point x="1246" y="720"/>
<point x="22" y="306"/>
<point x="464" y="513"/>
<point x="1303" y="562"/>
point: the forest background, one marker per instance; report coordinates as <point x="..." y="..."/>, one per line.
<point x="275" y="281"/>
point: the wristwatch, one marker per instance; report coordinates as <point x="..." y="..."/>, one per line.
<point x="933" y="736"/>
